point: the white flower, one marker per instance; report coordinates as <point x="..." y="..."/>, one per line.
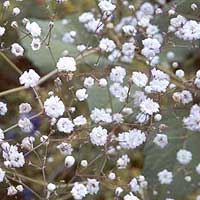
<point x="80" y="121"/>
<point x="1" y="135"/>
<point x="130" y="196"/>
<point x="106" y="7"/>
<point x="129" y="30"/>
<point x="134" y="185"/>
<point x="11" y="190"/>
<point x="92" y="186"/>
<point x="151" y="47"/>
<point x="140" y="79"/>
<point x="26" y="125"/>
<point x="88" y="82"/>
<point x="103" y="82"/>
<point x="16" y="11"/>
<point x="118" y="191"/>
<point x="17" y="50"/>
<point x="161" y="140"/>
<point x="35" y="44"/>
<point x="160" y="81"/>
<point x="20" y="188"/>
<point x="69" y="161"/>
<point x="2" y="175"/>
<point x="117" y="74"/>
<point x="131" y="139"/>
<point x="165" y="177"/>
<point x="51" y="187"/>
<point x="148" y="106"/>
<point x="158" y="117"/>
<point x="107" y="45"/>
<point x="65" y="148"/>
<point x="81" y="94"/>
<point x="67" y="64"/>
<point x="6" y="4"/>
<point x="119" y="91"/>
<point x="112" y="176"/>
<point x="142" y="117"/>
<point x="183" y="97"/>
<point x="192" y="122"/>
<point x="24" y="108"/>
<point x="118" y="118"/>
<point x="180" y="73"/>
<point x="34" y="29"/>
<point x="12" y="157"/>
<point x="29" y="78"/>
<point x="27" y="143"/>
<point x="123" y="161"/>
<point x="81" y="47"/>
<point x="65" y="125"/>
<point x="84" y="163"/>
<point x="3" y="108"/>
<point x="178" y="21"/>
<point x="100" y="115"/>
<point x="54" y="107"/>
<point x="198" y="169"/>
<point x="95" y="26"/>
<point x="152" y="30"/>
<point x="69" y="37"/>
<point x="86" y="17"/>
<point x="79" y="191"/>
<point x="128" y="49"/>
<point x="2" y="31"/>
<point x="184" y="157"/>
<point x="98" y="136"/>
<point x="197" y="79"/>
<point x="147" y="8"/>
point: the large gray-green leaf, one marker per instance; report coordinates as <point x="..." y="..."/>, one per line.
<point x="157" y="159"/>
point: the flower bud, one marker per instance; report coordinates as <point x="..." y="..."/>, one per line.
<point x="69" y="161"/>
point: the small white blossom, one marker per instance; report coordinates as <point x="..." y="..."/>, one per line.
<point x="79" y="191"/>
<point x="161" y="140"/>
<point x="165" y="177"/>
<point x="2" y="31"/>
<point x="81" y="94"/>
<point x="149" y="107"/>
<point x="24" y="108"/>
<point x="2" y="175"/>
<point x="65" y="148"/>
<point x="106" y="7"/>
<point x="80" y="121"/>
<point x="66" y="64"/>
<point x="140" y="79"/>
<point x="3" y="108"/>
<point x="54" y="107"/>
<point x="107" y="45"/>
<point x="118" y="74"/>
<point x="184" y="157"/>
<point x="92" y="186"/>
<point x="123" y="161"/>
<point x="36" y="44"/>
<point x="34" y="29"/>
<point x="29" y="78"/>
<point x="98" y="136"/>
<point x="69" y="161"/>
<point x="88" y="82"/>
<point x="26" y="125"/>
<point x="17" y="50"/>
<point x="65" y="125"/>
<point x="51" y="187"/>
